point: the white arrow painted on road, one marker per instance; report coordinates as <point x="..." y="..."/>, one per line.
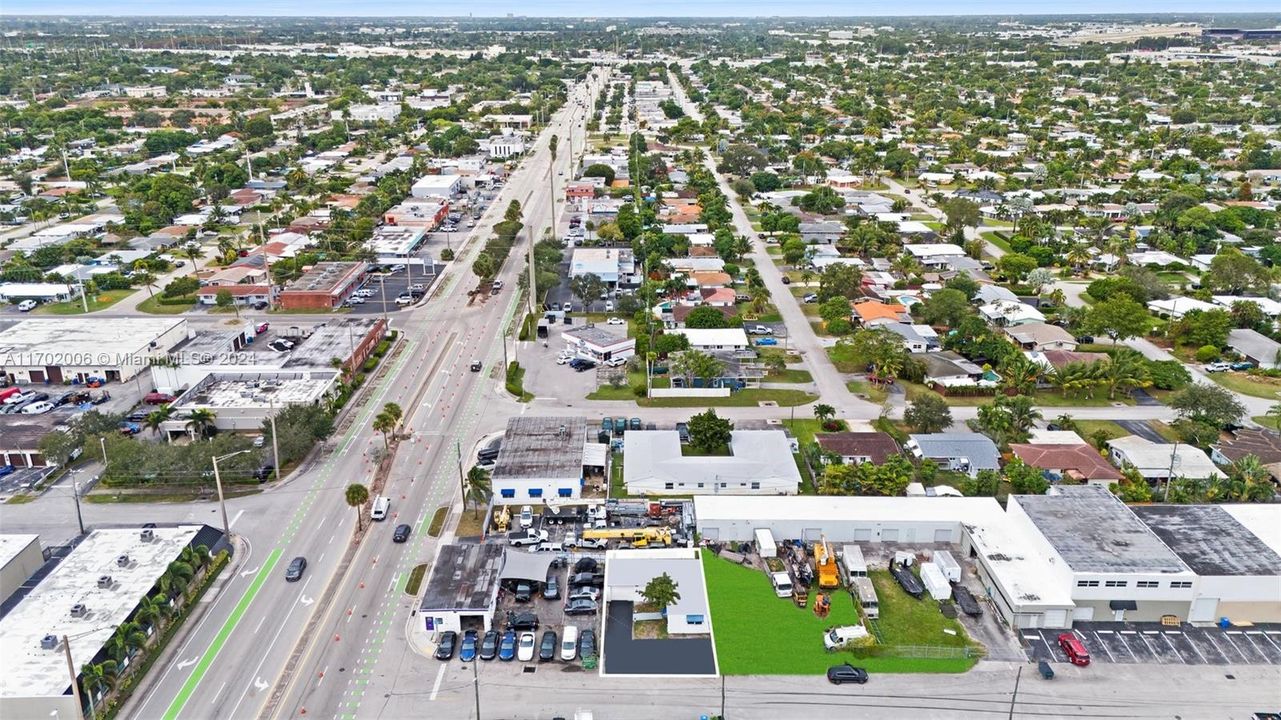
<point x="306" y="600"/>
<point x="187" y="663"/>
<point x="247" y="573"/>
<point x="260" y="685"/>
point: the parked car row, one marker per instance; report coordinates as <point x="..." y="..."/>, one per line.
<point x="511" y="645"/>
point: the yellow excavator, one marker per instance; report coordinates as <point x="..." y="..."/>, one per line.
<point x="502" y="519"/>
<point x="825" y="565"/>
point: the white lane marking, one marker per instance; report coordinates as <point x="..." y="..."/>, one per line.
<point x="322" y="676"/>
<point x="1151" y="649"/>
<point x="435" y="688"/>
<point x="187" y="663"/>
<point x="247" y="573"/>
<point x="215" y="695"/>
<point x="284" y="622"/>
<point x="1104" y="646"/>
<point x="233" y="520"/>
<point x="1127" y="649"/>
<point x="331" y="538"/>
<point x="1200" y="654"/>
<point x="1170" y="642"/>
<point x="1228" y="637"/>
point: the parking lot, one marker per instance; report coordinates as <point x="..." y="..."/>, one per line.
<point x="1111" y="642"/>
<point x="388" y="286"/>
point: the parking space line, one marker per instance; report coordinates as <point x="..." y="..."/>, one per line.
<point x="1104" y="646"/>
<point x="1173" y="647"/>
<point x="1255" y="645"/>
<point x="1271" y="641"/>
<point x="1213" y="643"/>
<point x="1197" y="650"/>
<point x="1128" y="649"/>
<point x="1228" y="637"/>
<point x="1151" y="649"/>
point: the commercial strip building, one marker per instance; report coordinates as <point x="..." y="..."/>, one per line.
<point x="91" y="592"/>
<point x="58" y="350"/>
<point x="325" y="286"/>
<point x="1076" y="553"/>
<point x="444" y="187"/>
<point x="597" y="344"/>
<point x="541" y="457"/>
<point x="242" y="401"/>
<point x="20" y="558"/>
<point x="760" y="463"/>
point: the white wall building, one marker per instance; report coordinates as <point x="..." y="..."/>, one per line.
<point x="628" y="571"/>
<point x="541" y="458"/>
<point x="760" y="463"/>
<point x="62" y="349"/>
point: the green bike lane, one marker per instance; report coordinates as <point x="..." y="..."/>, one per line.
<point x="301" y="514"/>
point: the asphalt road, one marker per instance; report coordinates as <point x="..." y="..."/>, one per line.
<point x="231" y="660"/>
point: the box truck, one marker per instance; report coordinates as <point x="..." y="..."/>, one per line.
<point x="852" y="562"/>
<point x="765" y="544"/>
<point x="951" y="569"/>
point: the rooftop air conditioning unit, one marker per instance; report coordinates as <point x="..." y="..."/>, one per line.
<point x="105" y="581"/>
<point x="49" y="642"/>
<point x="79" y="610"/>
<point x="123" y="561"/>
<point x="147" y="535"/>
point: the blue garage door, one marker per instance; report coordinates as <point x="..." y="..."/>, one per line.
<point x="565" y="492"/>
<point x="535" y="492"/>
<point x="507" y="492"/>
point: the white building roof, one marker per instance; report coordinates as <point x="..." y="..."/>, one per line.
<point x="12" y="545"/>
<point x="709" y="337"/>
<point x="28" y="670"/>
<point x="1179" y="306"/>
<point x="1188" y="461"/>
<point x="1023" y="574"/>
<point x="924" y="250"/>
<point x="114" y="338"/>
<point x="1270" y="307"/>
<point x="653" y="458"/>
<point x="601" y="262"/>
<point x="635" y="568"/>
<point x="1260" y="519"/>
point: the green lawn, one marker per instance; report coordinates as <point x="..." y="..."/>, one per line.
<point x="101" y="301"/>
<point x="1252" y="385"/>
<point x="743" y="398"/>
<point x="907" y="621"/>
<point x="758" y="633"/>
<point x="1087" y="428"/>
<point x="790" y="376"/>
<point x="1043" y="398"/>
<point x="996" y="240"/>
<point x="152" y="305"/>
<point x="873" y="392"/>
<point x="804" y="429"/>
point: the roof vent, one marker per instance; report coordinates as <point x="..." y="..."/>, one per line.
<point x="105" y="581"/>
<point x="123" y="561"/>
<point x="147" y="535"/>
<point x="79" y="610"/>
<point x="49" y="642"/>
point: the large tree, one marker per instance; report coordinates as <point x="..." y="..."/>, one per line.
<point x="661" y="591"/>
<point x="708" y="432"/>
<point x="1207" y="403"/>
<point x="1118" y="317"/>
<point x="946" y="307"/>
<point x="928" y="414"/>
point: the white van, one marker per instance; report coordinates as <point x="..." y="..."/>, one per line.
<point x="839" y="637"/>
<point x="569" y="643"/>
<point x="382" y="505"/>
<point x="782" y="584"/>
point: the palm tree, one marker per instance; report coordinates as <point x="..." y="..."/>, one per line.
<point x="386" y="425"/>
<point x="147" y="280"/>
<point x="357" y="496"/>
<point x="133" y="637"/>
<point x="394" y="411"/>
<point x="180" y="575"/>
<point x="1077" y="256"/>
<point x="156" y="418"/>
<point x="96" y="680"/>
<point x="194" y="254"/>
<point x="1274" y="413"/>
<point x="823" y="413"/>
<point x="151" y="610"/>
<point x="200" y="423"/>
<point x="1126" y="370"/>
<point x="1021" y="374"/>
<point x="476" y="488"/>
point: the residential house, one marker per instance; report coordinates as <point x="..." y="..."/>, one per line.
<point x="1262" y="444"/>
<point x="872" y="310"/>
<point x="706" y="339"/>
<point x="824" y="232"/>
<point x="1041" y="336"/>
<point x="710" y="279"/>
<point x="1177" y="307"/>
<point x="1076" y="461"/>
<point x="760" y="463"/>
<point x="958" y="451"/>
<point x="950" y="369"/>
<point x="673" y="316"/>
<point x="989" y="293"/>
<point x="1157" y="462"/>
<point x="1005" y="313"/>
<point x="916" y="338"/>
<point x="718" y="297"/>
<point x="1056" y="359"/>
<point x="1268" y="306"/>
<point x="1255" y="347"/>
<point x="854" y="448"/>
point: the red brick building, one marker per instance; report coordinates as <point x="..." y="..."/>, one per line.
<point x="324" y="286"/>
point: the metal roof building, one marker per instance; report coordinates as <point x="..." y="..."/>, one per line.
<point x="541" y="457"/>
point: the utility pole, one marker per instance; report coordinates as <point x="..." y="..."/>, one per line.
<point x="75" y="493"/>
<point x="1015" y="695"/>
<point x="103" y="442"/>
<point x="1170" y="475"/>
<point x="275" y="446"/>
<point x="462" y="483"/>
<point x="475" y="677"/>
<point x="75" y="682"/>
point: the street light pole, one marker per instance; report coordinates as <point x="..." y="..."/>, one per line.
<point x="222" y="505"/>
<point x="462" y="485"/>
<point x="102" y="441"/>
<point x="75" y="493"/>
<point x="275" y="446"/>
<point x="75" y="683"/>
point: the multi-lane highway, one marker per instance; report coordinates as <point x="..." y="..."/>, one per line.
<point x="270" y="648"/>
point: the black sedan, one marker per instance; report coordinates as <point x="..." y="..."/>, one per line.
<point x="401" y="534"/>
<point x="294" y="572"/>
<point x="840" y="674"/>
<point x="547" y="648"/>
<point x="448" y="642"/>
<point x="489" y="645"/>
<point x="587" y="644"/>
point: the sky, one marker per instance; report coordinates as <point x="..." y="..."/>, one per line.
<point x="631" y="8"/>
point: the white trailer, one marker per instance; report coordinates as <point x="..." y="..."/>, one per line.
<point x="852" y="562"/>
<point x="951" y="569"/>
<point x="765" y="544"/>
<point x="937" y="585"/>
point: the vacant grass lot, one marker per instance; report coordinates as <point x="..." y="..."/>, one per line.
<point x="907" y="621"/>
<point x="153" y="306"/>
<point x="743" y="398"/>
<point x="758" y="633"/>
<point x="101" y="301"/>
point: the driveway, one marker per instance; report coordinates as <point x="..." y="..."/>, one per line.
<point x="621" y="655"/>
<point x="1141" y="428"/>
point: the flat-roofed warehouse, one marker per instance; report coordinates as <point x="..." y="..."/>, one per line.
<point x="20" y="558"/>
<point x="1238" y="575"/>
<point x="90" y="593"/>
<point x="541" y="457"/>
<point x="73" y="349"/>
<point x="1116" y="567"/>
<point x="1018" y="579"/>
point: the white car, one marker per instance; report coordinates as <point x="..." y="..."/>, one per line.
<point x="617" y="321"/>
<point x="526" y="516"/>
<point x="569" y="643"/>
<point x="563" y="359"/>
<point x="405" y="299"/>
<point x="27" y="305"/>
<point x="1217" y="367"/>
<point x="356" y="300"/>
<point x="37" y="408"/>
<point x="616" y="362"/>
<point x="418" y="286"/>
<point x="19" y="397"/>
<point x="525" y="647"/>
<point x="609" y="306"/>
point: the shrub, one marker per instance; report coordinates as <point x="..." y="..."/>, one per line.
<point x="370" y="364"/>
<point x="1206" y="353"/>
